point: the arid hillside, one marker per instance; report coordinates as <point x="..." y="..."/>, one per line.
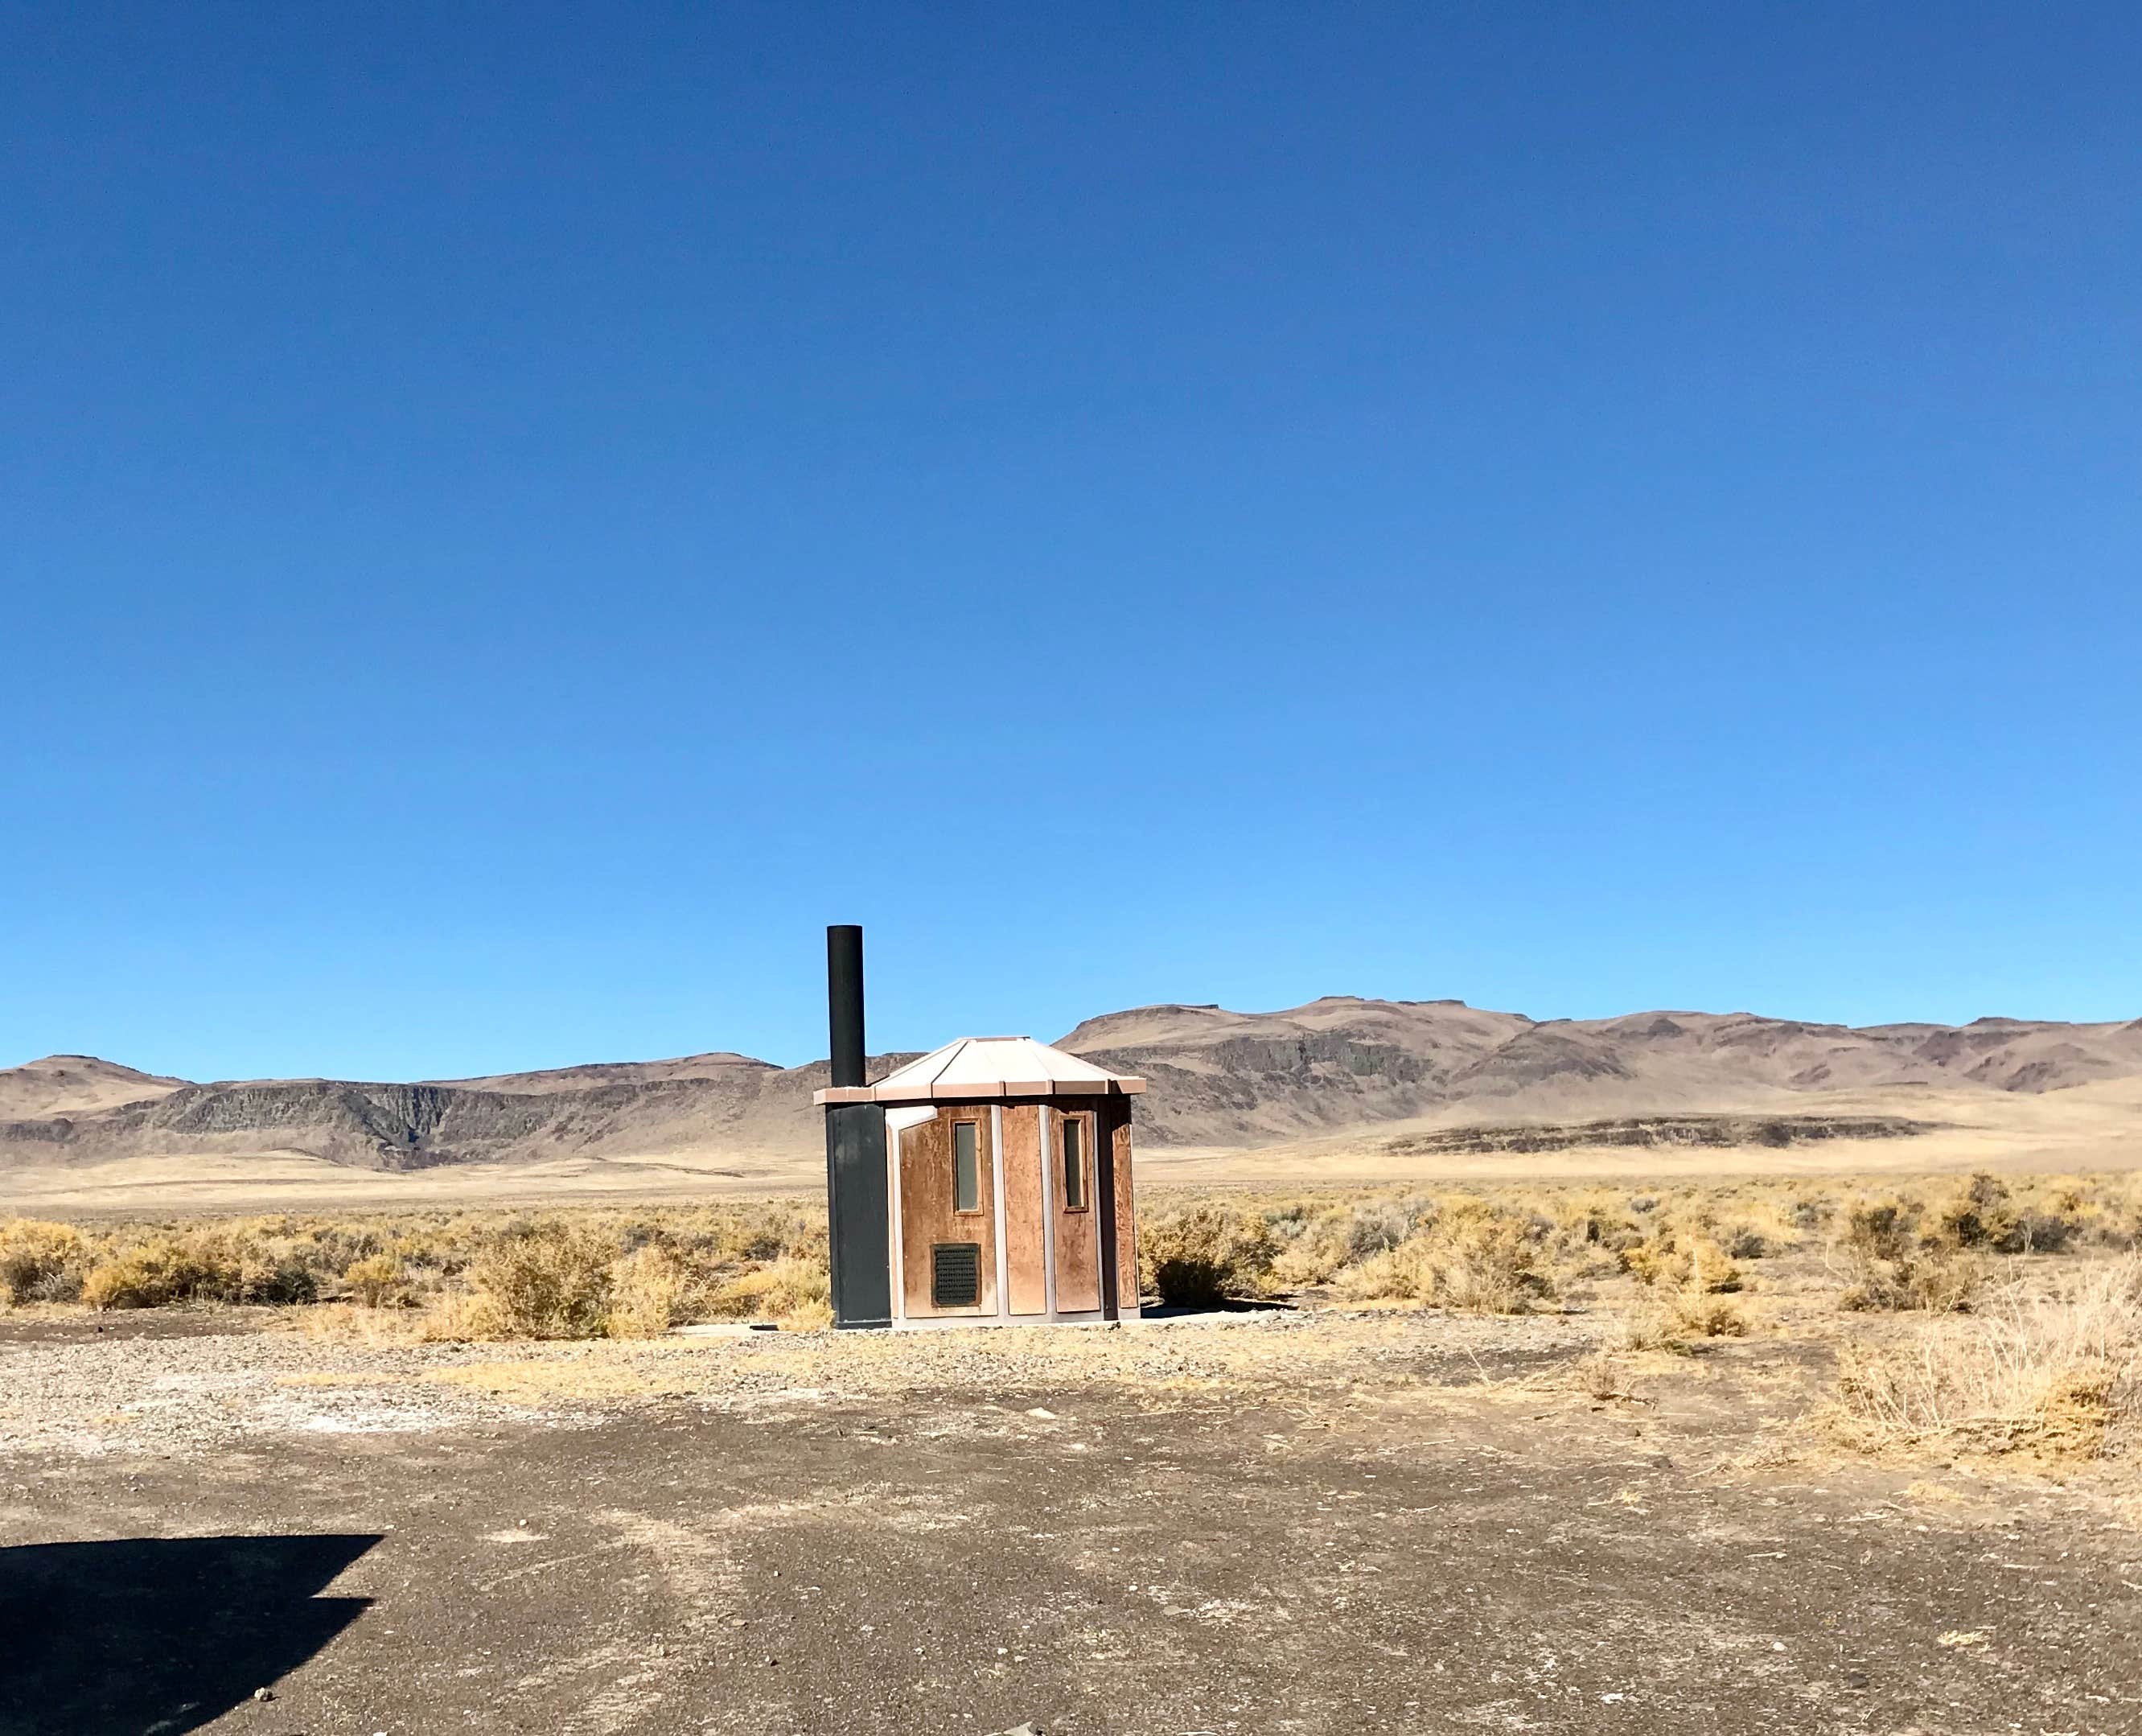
<point x="705" y="1108"/>
<point x="1221" y="1078"/>
<point x="1340" y="1083"/>
<point x="74" y="1085"/>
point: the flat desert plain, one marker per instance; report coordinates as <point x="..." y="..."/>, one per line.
<point x="2094" y="1128"/>
<point x="1553" y="1383"/>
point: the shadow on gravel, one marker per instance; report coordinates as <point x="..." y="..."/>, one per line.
<point x="1228" y="1305"/>
<point x="160" y="1634"/>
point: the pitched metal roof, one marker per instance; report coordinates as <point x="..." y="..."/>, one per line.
<point x="988" y="1066"/>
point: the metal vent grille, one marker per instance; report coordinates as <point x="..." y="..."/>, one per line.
<point x="956" y="1274"/>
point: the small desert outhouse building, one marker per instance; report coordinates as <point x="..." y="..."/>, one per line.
<point x="988" y="1181"/>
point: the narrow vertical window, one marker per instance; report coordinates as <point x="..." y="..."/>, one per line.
<point x="1074" y="1164"/>
<point x="966" y="1167"/>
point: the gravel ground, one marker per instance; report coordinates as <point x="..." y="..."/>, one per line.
<point x="159" y="1385"/>
<point x="1314" y="1526"/>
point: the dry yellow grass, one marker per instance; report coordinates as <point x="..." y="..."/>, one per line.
<point x="1968" y="1313"/>
<point x="486" y="1274"/>
<point x="2056" y="1371"/>
<point x="1921" y="1244"/>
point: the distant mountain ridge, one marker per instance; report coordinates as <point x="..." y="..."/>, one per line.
<point x="1217" y="1078"/>
<point x="1222" y="1078"/>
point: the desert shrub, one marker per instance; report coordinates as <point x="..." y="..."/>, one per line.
<point x="1201" y="1256"/>
<point x="1308" y="1260"/>
<point x="1487" y="1261"/>
<point x="1401" y="1275"/>
<point x="1307" y="1249"/>
<point x="2039" y="1233"/>
<point x="1590" y="1224"/>
<point x="41" y="1262"/>
<point x="1936" y="1281"/>
<point x="157" y="1272"/>
<point x="1648" y="1330"/>
<point x="1891" y="1267"/>
<point x="748" y="1235"/>
<point x="1288" y="1218"/>
<point x="2104" y="1210"/>
<point x="793" y="1291"/>
<point x="1981" y="1216"/>
<point x="546" y="1280"/>
<point x="2063" y="1218"/>
<point x="377" y="1280"/>
<point x="2057" y="1373"/>
<point x="1684" y="1261"/>
<point x="270" y="1279"/>
<point x="1807" y="1215"/>
<point x="1881" y="1229"/>
<point x="645" y="1287"/>
<point x="758" y="1240"/>
<point x="1744" y="1241"/>
<point x="1986" y="1214"/>
<point x="1695" y="1315"/>
<point x="1296" y="1222"/>
<point x="1376" y="1226"/>
<point x="1313" y="1241"/>
<point x="1472" y="1256"/>
<point x="1674" y="1323"/>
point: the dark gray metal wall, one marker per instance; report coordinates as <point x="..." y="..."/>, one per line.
<point x="859" y="1215"/>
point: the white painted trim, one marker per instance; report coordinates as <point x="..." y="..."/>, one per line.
<point x="996" y="1170"/>
<point x="899" y="1241"/>
<point x="1084" y="1317"/>
<point x="1047" y="1142"/>
<point x="897" y="1120"/>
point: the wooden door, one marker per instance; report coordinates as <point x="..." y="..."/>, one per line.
<point x="1074" y="1203"/>
<point x="947" y="1214"/>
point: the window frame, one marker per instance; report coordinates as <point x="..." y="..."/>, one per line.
<point x="975" y="1209"/>
<point x="1082" y="1119"/>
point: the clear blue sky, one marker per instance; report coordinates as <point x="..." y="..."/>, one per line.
<point x="511" y="518"/>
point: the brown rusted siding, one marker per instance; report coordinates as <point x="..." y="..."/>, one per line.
<point x="1116" y="1118"/>
<point x="1078" y="1233"/>
<point x="926" y="1213"/>
<point x="1026" y="1273"/>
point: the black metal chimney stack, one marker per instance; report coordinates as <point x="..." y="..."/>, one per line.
<point x="858" y="1201"/>
<point x="844" y="1001"/>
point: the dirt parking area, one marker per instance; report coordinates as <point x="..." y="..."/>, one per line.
<point x="1274" y="1523"/>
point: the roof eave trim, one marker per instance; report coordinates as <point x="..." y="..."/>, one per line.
<point x="1121" y="1087"/>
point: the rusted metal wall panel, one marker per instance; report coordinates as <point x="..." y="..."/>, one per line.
<point x="928" y="1214"/>
<point x="1026" y="1279"/>
<point x="1116" y="1119"/>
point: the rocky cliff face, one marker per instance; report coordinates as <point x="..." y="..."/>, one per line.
<point x="1216" y="1078"/>
<point x="755" y="1108"/>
